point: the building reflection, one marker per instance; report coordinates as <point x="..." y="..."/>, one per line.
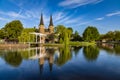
<point x="52" y="55"/>
<point x="44" y="54"/>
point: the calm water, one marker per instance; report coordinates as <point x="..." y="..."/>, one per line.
<point x="68" y="63"/>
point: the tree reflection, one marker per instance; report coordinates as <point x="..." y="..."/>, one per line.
<point x="91" y="53"/>
<point x="117" y="49"/>
<point x="13" y="58"/>
<point x="26" y="54"/>
<point x="76" y="50"/>
<point x="110" y="48"/>
<point x="65" y="55"/>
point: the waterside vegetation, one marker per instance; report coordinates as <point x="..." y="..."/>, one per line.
<point x="14" y="32"/>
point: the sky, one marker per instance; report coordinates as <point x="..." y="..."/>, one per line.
<point x="78" y="14"/>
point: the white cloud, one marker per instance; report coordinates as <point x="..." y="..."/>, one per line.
<point x="28" y="14"/>
<point x="19" y="3"/>
<point x="32" y="14"/>
<point x="58" y="15"/>
<point x="63" y="20"/>
<point x="13" y="14"/>
<point x="37" y="7"/>
<point x="113" y="14"/>
<point x="77" y="3"/>
<point x="108" y="15"/>
<point x="98" y="19"/>
<point x="73" y="20"/>
<point x="67" y="19"/>
<point x="84" y="23"/>
<point x="3" y="19"/>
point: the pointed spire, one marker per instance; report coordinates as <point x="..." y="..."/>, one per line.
<point x="41" y="20"/>
<point x="51" y="21"/>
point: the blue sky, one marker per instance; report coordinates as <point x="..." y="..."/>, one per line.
<point x="78" y="14"/>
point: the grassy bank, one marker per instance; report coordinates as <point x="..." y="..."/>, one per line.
<point x="14" y="46"/>
<point x="82" y="43"/>
<point x="71" y="44"/>
<point x="53" y="44"/>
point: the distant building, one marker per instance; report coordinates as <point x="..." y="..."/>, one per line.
<point x="42" y="29"/>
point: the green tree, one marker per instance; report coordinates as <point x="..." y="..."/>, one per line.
<point x="109" y="35"/>
<point x="90" y="34"/>
<point x="2" y="34"/>
<point x="50" y="38"/>
<point x="64" y="34"/>
<point x="59" y="30"/>
<point x="13" y="29"/>
<point x="26" y="36"/>
<point x="76" y="37"/>
<point x="117" y="35"/>
<point x="70" y="31"/>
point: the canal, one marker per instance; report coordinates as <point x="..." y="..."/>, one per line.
<point x="100" y="62"/>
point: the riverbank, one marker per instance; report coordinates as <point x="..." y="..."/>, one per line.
<point x="22" y="46"/>
<point x="82" y="43"/>
<point x="13" y="46"/>
<point x="72" y="44"/>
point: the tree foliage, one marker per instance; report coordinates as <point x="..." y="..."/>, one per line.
<point x="13" y="29"/>
<point x="26" y="36"/>
<point x="64" y="34"/>
<point x="2" y="34"/>
<point x="90" y="34"/>
<point x="117" y="35"/>
<point x="76" y="37"/>
<point x="111" y="36"/>
<point x="50" y="38"/>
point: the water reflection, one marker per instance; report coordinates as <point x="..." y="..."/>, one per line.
<point x="65" y="55"/>
<point x="76" y="49"/>
<point x="55" y="55"/>
<point x="110" y="48"/>
<point x="91" y="53"/>
<point x="45" y="54"/>
<point x="13" y="58"/>
<point x="64" y="63"/>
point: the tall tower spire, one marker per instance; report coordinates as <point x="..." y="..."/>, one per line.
<point x="41" y="25"/>
<point x="51" y="26"/>
<point x="41" y="20"/>
<point x="51" y="21"/>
